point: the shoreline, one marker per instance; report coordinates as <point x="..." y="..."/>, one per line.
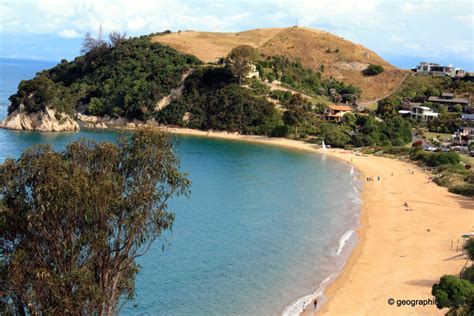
<point x="401" y="252"/>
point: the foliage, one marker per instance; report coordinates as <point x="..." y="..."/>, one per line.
<point x="280" y="95"/>
<point x="123" y="80"/>
<point x="334" y="135"/>
<point x="446" y="123"/>
<point x="41" y="92"/>
<point x="373" y="70"/>
<point x="438" y="159"/>
<point x="293" y="74"/>
<point x="468" y="274"/>
<point x="393" y="131"/>
<point x="389" y="106"/>
<point x="300" y="115"/>
<point x="239" y="59"/>
<point x="469" y="248"/>
<point x="464" y="189"/>
<point x="214" y="101"/>
<point x="72" y="223"/>
<point x="455" y="293"/>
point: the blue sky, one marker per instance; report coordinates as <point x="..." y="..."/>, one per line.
<point x="403" y="32"/>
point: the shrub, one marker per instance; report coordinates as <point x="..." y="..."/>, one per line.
<point x="468" y="274"/>
<point x="373" y="70"/>
<point x="439" y="159"/>
<point x="280" y="131"/>
<point x="465" y="189"/>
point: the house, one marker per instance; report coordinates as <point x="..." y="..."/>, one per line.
<point x="253" y="72"/>
<point x="335" y="113"/>
<point x="466" y="132"/>
<point x="428" y="68"/>
<point x="467" y="117"/>
<point x="464" y="135"/>
<point x="448" y="100"/>
<point x="419" y="113"/>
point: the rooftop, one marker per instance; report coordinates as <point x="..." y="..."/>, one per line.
<point x="447" y="95"/>
<point x="454" y="100"/>
<point x="340" y="107"/>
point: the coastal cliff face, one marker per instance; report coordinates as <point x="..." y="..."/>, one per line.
<point x="47" y="120"/>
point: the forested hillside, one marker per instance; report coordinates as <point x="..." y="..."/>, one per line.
<point x="126" y="79"/>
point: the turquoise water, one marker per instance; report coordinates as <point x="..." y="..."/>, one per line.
<point x="264" y="225"/>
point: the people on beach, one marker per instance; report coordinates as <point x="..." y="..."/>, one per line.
<point x="405" y="204"/>
<point x="315" y="303"/>
<point x="378" y="178"/>
<point x="304" y="306"/>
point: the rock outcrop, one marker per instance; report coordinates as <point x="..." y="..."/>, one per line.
<point x="47" y="120"/>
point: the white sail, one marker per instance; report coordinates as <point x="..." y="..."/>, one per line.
<point x="324" y="146"/>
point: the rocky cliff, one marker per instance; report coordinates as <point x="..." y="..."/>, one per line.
<point x="47" y="120"/>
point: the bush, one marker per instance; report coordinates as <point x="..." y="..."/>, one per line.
<point x="280" y="131"/>
<point x="439" y="159"/>
<point x="373" y="70"/>
<point x="465" y="189"/>
<point x="468" y="274"/>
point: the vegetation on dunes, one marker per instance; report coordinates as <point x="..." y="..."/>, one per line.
<point x="72" y="223"/>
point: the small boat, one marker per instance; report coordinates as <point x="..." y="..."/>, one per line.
<point x="324" y="146"/>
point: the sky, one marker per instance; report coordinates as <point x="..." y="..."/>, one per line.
<point x="403" y="32"/>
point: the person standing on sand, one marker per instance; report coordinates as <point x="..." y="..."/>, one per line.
<point x="315" y="303"/>
<point x="304" y="306"/>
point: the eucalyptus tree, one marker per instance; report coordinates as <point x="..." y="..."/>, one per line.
<point x="72" y="223"/>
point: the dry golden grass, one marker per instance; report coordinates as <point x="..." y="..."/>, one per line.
<point x="307" y="44"/>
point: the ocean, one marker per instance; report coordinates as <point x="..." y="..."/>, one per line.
<point x="265" y="228"/>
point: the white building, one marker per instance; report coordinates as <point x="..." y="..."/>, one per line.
<point x="253" y="72"/>
<point x="427" y="68"/>
<point x="420" y="113"/>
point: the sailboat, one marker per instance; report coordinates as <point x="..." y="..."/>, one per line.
<point x="323" y="146"/>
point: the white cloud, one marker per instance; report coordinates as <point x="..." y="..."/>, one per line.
<point x="414" y="26"/>
<point x="69" y="33"/>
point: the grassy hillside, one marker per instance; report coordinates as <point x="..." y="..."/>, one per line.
<point x="340" y="58"/>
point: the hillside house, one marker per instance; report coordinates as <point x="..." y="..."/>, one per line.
<point x="448" y="100"/>
<point x="427" y="68"/>
<point x="334" y="113"/>
<point x="419" y="113"/>
<point x="464" y="136"/>
<point x="253" y="72"/>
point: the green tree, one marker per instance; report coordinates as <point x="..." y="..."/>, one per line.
<point x="389" y="105"/>
<point x="455" y="293"/>
<point x="239" y="60"/>
<point x="469" y="248"/>
<point x="333" y="135"/>
<point x="457" y="108"/>
<point x="72" y="223"/>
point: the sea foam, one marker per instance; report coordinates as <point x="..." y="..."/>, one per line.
<point x="342" y="241"/>
<point x="296" y="307"/>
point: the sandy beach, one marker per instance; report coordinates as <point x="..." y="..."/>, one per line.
<point x="402" y="251"/>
